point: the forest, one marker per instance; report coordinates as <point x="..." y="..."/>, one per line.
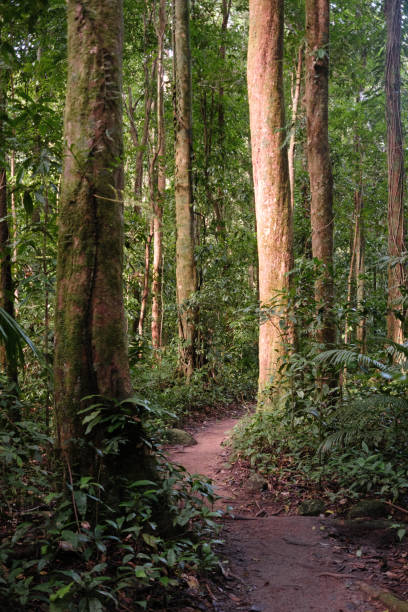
<point x="202" y="218"/>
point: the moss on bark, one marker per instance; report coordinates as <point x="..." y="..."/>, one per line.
<point x="90" y="337"/>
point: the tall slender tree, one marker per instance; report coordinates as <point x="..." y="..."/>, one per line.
<point x="6" y="281"/>
<point x="295" y="95"/>
<point x="90" y="337"/>
<point x="161" y="183"/>
<point x="318" y="158"/>
<point x="186" y="276"/>
<point x="395" y="158"/>
<point x="270" y="175"/>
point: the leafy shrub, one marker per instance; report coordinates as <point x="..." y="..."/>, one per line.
<point x="177" y="399"/>
<point x="353" y="445"/>
<point x="70" y="549"/>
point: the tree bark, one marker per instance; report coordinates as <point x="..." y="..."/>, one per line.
<point x="292" y="140"/>
<point x="356" y="265"/>
<point x="145" y="291"/>
<point x="186" y="276"/>
<point x="360" y="272"/>
<point x="6" y="281"/>
<point x="161" y="185"/>
<point x="318" y="157"/>
<point x="270" y="175"/>
<point x="90" y="333"/>
<point x="395" y="158"/>
<point x="219" y="203"/>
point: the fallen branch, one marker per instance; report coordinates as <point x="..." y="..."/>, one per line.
<point x="396" y="507"/>
<point x="298" y="542"/>
<point x="333" y="575"/>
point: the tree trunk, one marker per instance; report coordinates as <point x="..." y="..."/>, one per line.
<point x="219" y="200"/>
<point x="14" y="211"/>
<point x="90" y="332"/>
<point x="140" y="140"/>
<point x="46" y="308"/>
<point x="270" y="175"/>
<point x="356" y="260"/>
<point x="161" y="186"/>
<point x="186" y="276"/>
<point x="318" y="157"/>
<point x="6" y="282"/>
<point x="395" y="157"/>
<point x="145" y="292"/>
<point x="292" y="140"/>
<point x="360" y="272"/>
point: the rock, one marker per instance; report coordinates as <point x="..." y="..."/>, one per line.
<point x="255" y="483"/>
<point x="373" y="508"/>
<point x="311" y="507"/>
<point x="179" y="436"/>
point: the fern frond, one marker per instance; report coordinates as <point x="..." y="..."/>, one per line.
<point x="348" y="357"/>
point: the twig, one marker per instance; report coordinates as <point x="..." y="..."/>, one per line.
<point x="396" y="507"/>
<point x="210" y="592"/>
<point x="73" y="497"/>
<point x="298" y="542"/>
<point x="333" y="575"/>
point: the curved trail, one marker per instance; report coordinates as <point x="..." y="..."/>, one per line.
<point x="287" y="563"/>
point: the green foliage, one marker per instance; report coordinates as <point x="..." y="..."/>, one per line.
<point x="173" y="399"/>
<point x="13" y="337"/>
<point x="70" y="550"/>
<point x="353" y="446"/>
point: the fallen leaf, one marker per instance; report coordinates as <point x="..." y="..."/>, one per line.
<point x="191" y="581"/>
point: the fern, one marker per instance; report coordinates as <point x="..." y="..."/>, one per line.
<point x="348" y="357"/>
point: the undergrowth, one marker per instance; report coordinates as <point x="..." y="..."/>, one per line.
<point x="64" y="547"/>
<point x="206" y="388"/>
<point x="352" y="445"/>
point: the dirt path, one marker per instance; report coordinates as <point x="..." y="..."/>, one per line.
<point x="283" y="563"/>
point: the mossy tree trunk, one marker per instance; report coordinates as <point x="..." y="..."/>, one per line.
<point x="90" y="337"/>
<point x="395" y="157"/>
<point x="186" y="276"/>
<point x="271" y="180"/>
<point x="318" y="158"/>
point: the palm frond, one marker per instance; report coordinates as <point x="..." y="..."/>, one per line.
<point x="13" y="337"/>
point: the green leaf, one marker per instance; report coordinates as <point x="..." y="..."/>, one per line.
<point x="91" y="416"/>
<point x="143" y="483"/>
<point x="81" y="501"/>
<point x="95" y="605"/>
<point x="171" y="557"/>
<point x="151" y="540"/>
<point x="60" y="594"/>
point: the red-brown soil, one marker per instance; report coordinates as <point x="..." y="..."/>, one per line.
<point x="280" y="563"/>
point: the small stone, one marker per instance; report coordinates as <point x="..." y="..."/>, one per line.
<point x="255" y="483"/>
<point x="179" y="436"/>
<point x="311" y="507"/>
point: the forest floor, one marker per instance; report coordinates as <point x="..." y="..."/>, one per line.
<point x="277" y="561"/>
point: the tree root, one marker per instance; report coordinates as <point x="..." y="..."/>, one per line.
<point x="391" y="601"/>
